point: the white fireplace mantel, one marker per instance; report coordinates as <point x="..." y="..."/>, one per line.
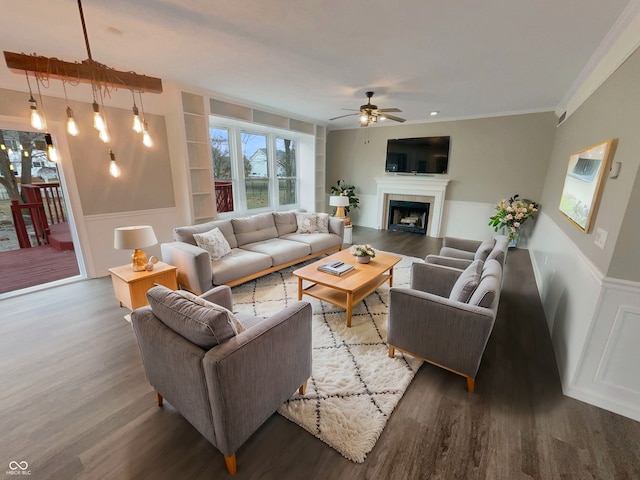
<point x="413" y="185"/>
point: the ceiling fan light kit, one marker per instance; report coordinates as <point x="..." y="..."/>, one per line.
<point x="370" y="114"/>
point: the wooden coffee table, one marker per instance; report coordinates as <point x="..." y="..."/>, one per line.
<point x="351" y="288"/>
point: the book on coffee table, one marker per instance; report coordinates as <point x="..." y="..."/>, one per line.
<point x="336" y="268"/>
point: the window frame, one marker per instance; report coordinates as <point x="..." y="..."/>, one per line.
<point x="235" y="129"/>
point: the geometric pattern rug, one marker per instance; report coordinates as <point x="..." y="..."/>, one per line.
<point x="354" y="386"/>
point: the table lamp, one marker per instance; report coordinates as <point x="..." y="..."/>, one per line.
<point x="339" y="201"/>
<point x="135" y="238"/>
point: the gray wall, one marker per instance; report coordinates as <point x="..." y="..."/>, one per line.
<point x="613" y="111"/>
<point x="146" y="181"/>
<point x="489" y="157"/>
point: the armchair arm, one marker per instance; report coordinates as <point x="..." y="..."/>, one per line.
<point x="252" y="374"/>
<point x="220" y="295"/>
<point x="449" y="333"/>
<point x="452" y="262"/>
<point x="194" y="265"/>
<point x="336" y="225"/>
<point x="435" y="279"/>
<point x="461" y="244"/>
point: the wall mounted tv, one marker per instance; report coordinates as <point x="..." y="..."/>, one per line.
<point x="424" y="155"/>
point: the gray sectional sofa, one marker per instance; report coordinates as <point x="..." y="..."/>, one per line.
<point x="259" y="244"/>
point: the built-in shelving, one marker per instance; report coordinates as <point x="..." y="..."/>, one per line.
<point x="203" y="201"/>
<point x="320" y="181"/>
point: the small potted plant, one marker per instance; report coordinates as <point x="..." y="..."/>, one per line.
<point x="363" y="253"/>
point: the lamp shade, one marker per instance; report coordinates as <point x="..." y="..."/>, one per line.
<point x="131" y="238"/>
<point x="339" y="201"/>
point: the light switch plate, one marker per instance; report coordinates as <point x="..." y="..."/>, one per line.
<point x="601" y="237"/>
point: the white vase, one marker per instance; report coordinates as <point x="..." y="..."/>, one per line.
<point x="363" y="259"/>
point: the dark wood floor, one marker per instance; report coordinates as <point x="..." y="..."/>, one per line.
<point x="75" y="404"/>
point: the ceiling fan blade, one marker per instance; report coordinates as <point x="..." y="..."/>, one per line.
<point x="395" y="119"/>
<point x="389" y="110"/>
<point x="347" y="115"/>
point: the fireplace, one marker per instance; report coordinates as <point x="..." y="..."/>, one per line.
<point x="408" y="216"/>
<point x="413" y="186"/>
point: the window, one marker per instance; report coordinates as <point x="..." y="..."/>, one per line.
<point x="222" y="169"/>
<point x="286" y="170"/>
<point x="255" y="168"/>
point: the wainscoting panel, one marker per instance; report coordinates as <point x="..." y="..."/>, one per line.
<point x="99" y="228"/>
<point x="594" y="322"/>
<point x="608" y="374"/>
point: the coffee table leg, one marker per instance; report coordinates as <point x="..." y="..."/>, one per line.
<point x="391" y="277"/>
<point x="299" y="288"/>
<point x="349" y="307"/>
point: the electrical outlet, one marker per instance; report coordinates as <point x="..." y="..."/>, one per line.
<point x="601" y="237"/>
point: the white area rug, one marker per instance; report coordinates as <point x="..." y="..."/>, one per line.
<point x="354" y="385"/>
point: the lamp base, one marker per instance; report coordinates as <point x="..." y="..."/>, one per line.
<point x="340" y="212"/>
<point x="138" y="260"/>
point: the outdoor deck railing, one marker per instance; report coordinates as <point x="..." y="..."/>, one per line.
<point x="224" y="196"/>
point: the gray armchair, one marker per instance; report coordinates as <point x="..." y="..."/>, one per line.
<point x="446" y="316"/>
<point x="225" y="384"/>
<point x="460" y="252"/>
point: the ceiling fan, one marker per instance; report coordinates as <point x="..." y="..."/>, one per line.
<point x="371" y="114"/>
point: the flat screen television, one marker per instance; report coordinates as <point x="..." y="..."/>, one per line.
<point x="424" y="155"/>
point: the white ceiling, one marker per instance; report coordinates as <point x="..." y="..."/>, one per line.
<point x="463" y="58"/>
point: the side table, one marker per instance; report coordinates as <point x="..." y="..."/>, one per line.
<point x="131" y="287"/>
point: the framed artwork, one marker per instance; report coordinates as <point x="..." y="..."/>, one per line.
<point x="584" y="182"/>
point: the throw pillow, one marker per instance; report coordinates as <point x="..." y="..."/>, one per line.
<point x="467" y="282"/>
<point x="235" y="323"/>
<point x="484" y="250"/>
<point x="202" y="326"/>
<point x="323" y="222"/>
<point x="214" y="243"/>
<point x="307" y="222"/>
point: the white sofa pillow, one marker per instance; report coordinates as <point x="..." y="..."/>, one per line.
<point x="214" y="243"/>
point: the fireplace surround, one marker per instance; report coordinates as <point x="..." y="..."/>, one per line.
<point x="413" y="185"/>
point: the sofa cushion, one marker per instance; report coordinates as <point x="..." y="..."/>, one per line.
<point x="203" y="326"/>
<point x="467" y="282"/>
<point x="237" y="326"/>
<point x="280" y="250"/>
<point x="255" y="228"/>
<point x="240" y="263"/>
<point x="214" y="243"/>
<point x="317" y="241"/>
<point x="323" y="222"/>
<point x="285" y="222"/>
<point x="185" y="234"/>
<point x="489" y="286"/>
<point x="484" y="249"/>
<point x="307" y="222"/>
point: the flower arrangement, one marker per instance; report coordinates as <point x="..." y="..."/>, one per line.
<point x="511" y="214"/>
<point x="362" y="251"/>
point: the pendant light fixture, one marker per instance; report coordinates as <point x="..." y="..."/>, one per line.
<point x="137" y="123"/>
<point x="37" y="121"/>
<point x="114" y="170"/>
<point x="52" y="153"/>
<point x="146" y="138"/>
<point x="72" y="127"/>
<point x="100" y="77"/>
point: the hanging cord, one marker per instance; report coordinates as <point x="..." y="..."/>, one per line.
<point x="31" y="99"/>
<point x="44" y="113"/>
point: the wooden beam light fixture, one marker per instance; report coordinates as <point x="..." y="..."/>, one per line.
<point x="101" y="77"/>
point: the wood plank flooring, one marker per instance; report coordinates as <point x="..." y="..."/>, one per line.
<point x="75" y="404"/>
